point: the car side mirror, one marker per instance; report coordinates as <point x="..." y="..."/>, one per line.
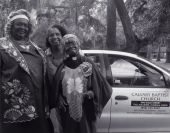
<point x="137" y="70"/>
<point x="161" y="78"/>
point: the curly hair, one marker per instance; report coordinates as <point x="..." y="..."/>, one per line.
<point x="10" y="23"/>
<point x="62" y="30"/>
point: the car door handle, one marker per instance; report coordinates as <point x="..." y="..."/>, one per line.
<point x="121" y="97"/>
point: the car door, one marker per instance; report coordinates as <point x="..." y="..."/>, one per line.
<point x="140" y="99"/>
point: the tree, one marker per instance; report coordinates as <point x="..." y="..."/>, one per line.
<point x="151" y="21"/>
<point x="165" y="24"/>
<point x="111" y="25"/>
<point x="131" y="44"/>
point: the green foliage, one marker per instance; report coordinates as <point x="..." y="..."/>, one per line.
<point x="86" y="18"/>
<point x="39" y="35"/>
<point x="144" y="17"/>
<point x="150" y="18"/>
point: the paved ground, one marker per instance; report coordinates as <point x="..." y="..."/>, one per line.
<point x="163" y="64"/>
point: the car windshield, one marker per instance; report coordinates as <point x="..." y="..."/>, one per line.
<point x="161" y="65"/>
<point x="123" y="68"/>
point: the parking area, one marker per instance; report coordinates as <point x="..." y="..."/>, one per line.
<point x="163" y="64"/>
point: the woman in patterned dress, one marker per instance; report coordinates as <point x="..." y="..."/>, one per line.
<point x="80" y="90"/>
<point x="24" y="105"/>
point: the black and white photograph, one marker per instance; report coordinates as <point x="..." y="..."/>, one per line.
<point x="84" y="66"/>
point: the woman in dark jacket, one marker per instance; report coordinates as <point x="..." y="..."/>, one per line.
<point x="24" y="106"/>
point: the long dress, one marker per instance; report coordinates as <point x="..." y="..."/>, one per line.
<point x="74" y="78"/>
<point x="24" y="100"/>
<point x="52" y="64"/>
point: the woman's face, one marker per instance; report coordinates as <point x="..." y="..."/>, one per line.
<point x="54" y="37"/>
<point x="20" y="29"/>
<point x="71" y="48"/>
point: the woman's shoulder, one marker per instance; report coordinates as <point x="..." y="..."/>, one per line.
<point x="3" y="43"/>
<point x="86" y="59"/>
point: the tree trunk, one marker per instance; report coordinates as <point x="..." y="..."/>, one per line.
<point x="127" y="26"/>
<point x="76" y="17"/>
<point x="168" y="50"/>
<point x="149" y="52"/>
<point x="159" y="53"/>
<point x="111" y="25"/>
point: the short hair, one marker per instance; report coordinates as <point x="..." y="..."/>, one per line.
<point x="10" y="23"/>
<point x="62" y="30"/>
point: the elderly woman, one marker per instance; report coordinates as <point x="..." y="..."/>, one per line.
<point x="24" y="102"/>
<point x="80" y="90"/>
<point x="54" y="54"/>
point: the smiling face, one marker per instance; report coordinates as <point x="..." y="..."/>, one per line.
<point x="71" y="47"/>
<point x="54" y="37"/>
<point x="20" y="29"/>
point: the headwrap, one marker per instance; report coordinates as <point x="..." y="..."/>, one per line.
<point x="71" y="37"/>
<point x="16" y="15"/>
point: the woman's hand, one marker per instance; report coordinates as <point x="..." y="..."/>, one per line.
<point x="88" y="94"/>
<point x="62" y="103"/>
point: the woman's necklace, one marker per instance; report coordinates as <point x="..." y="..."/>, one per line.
<point x="24" y="45"/>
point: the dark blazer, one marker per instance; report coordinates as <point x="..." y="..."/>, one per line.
<point x="18" y="89"/>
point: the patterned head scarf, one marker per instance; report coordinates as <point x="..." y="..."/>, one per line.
<point x="16" y="15"/>
<point x="71" y="37"/>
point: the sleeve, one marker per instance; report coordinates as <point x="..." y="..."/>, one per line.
<point x="1" y="62"/>
<point x="49" y="87"/>
<point x="56" y="87"/>
<point x="0" y="65"/>
<point x="101" y="89"/>
<point x="49" y="76"/>
<point x="0" y="86"/>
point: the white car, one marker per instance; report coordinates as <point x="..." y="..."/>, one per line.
<point x="140" y="100"/>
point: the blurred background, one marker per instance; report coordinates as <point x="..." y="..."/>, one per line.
<point x="137" y="26"/>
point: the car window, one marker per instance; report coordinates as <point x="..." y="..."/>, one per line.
<point x="127" y="72"/>
<point x="99" y="62"/>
